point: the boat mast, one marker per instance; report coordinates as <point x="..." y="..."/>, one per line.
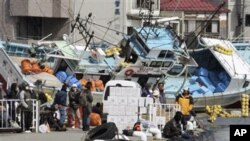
<point x="207" y="22"/>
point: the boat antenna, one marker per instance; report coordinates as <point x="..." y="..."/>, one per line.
<point x="76" y="21"/>
<point x="207" y="23"/>
<point x="82" y="27"/>
<point x="148" y="18"/>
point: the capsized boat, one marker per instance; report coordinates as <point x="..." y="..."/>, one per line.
<point x="243" y="49"/>
<point x="14" y="70"/>
<point x="221" y="77"/>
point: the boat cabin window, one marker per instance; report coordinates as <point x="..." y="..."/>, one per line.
<point x="166" y="54"/>
<point x="160" y="64"/>
<point x="242" y="47"/>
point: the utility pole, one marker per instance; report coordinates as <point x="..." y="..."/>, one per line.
<point x="243" y="19"/>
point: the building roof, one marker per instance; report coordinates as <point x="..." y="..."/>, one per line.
<point x="190" y="6"/>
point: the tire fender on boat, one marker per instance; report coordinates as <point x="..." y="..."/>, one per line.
<point x="129" y="72"/>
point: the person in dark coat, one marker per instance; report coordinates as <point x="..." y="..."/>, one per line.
<point x="174" y="127"/>
<point x="146" y="91"/>
<point x="86" y="100"/>
<point x="13" y="95"/>
<point x="3" y="109"/>
<point x="60" y="102"/>
<point x="74" y="104"/>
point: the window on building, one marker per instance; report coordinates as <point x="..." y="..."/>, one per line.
<point x="247" y="20"/>
<point x="190" y="26"/>
<point x="213" y="27"/>
<point x="142" y="4"/>
<point x="146" y="3"/>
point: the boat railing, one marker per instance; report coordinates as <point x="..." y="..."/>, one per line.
<point x="159" y="113"/>
<point x="11" y="117"/>
<point x="9" y="70"/>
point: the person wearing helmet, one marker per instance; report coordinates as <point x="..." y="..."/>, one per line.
<point x="185" y="100"/>
<point x="26" y="107"/>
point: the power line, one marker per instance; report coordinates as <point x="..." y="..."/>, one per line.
<point x="81" y="7"/>
<point x="104" y="27"/>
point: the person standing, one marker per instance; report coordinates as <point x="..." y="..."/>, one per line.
<point x="3" y="109"/>
<point x="74" y="104"/>
<point x="185" y="100"/>
<point x="147" y="91"/>
<point x="59" y="103"/>
<point x="26" y="107"/>
<point x="13" y="95"/>
<point x="162" y="98"/>
<point x="86" y="100"/>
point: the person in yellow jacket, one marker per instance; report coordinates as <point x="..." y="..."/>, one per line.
<point x="185" y="100"/>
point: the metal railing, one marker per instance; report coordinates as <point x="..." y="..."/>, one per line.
<point x="10" y="114"/>
<point x="159" y="113"/>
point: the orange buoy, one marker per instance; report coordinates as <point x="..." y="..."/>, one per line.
<point x="50" y="71"/>
<point x="47" y="69"/>
<point x="26" y="66"/>
<point x="35" y="67"/>
<point x="99" y="85"/>
<point x="83" y="81"/>
<point x="93" y="88"/>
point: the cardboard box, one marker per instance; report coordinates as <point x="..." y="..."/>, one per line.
<point x="132" y="92"/>
<point x="112" y="100"/>
<point x="112" y="111"/>
<point x="120" y="110"/>
<point x="133" y="101"/>
<point x="122" y="100"/>
<point x="112" y="119"/>
<point x="141" y="101"/>
<point x="131" y="120"/>
<point x="122" y="119"/>
<point x="115" y="91"/>
<point x="131" y="110"/>
<point x="106" y="109"/>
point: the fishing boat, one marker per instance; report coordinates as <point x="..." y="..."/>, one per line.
<point x="214" y="72"/>
<point x="18" y="65"/>
<point x="221" y="77"/>
<point x="243" y="49"/>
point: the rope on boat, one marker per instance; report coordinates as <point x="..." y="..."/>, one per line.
<point x="184" y="81"/>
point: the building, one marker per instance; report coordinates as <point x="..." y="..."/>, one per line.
<point x="194" y="14"/>
<point x="34" y="19"/>
<point x="239" y="19"/>
<point x="119" y="15"/>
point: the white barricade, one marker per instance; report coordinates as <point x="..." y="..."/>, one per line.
<point x="10" y="114"/>
<point x="159" y="113"/>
